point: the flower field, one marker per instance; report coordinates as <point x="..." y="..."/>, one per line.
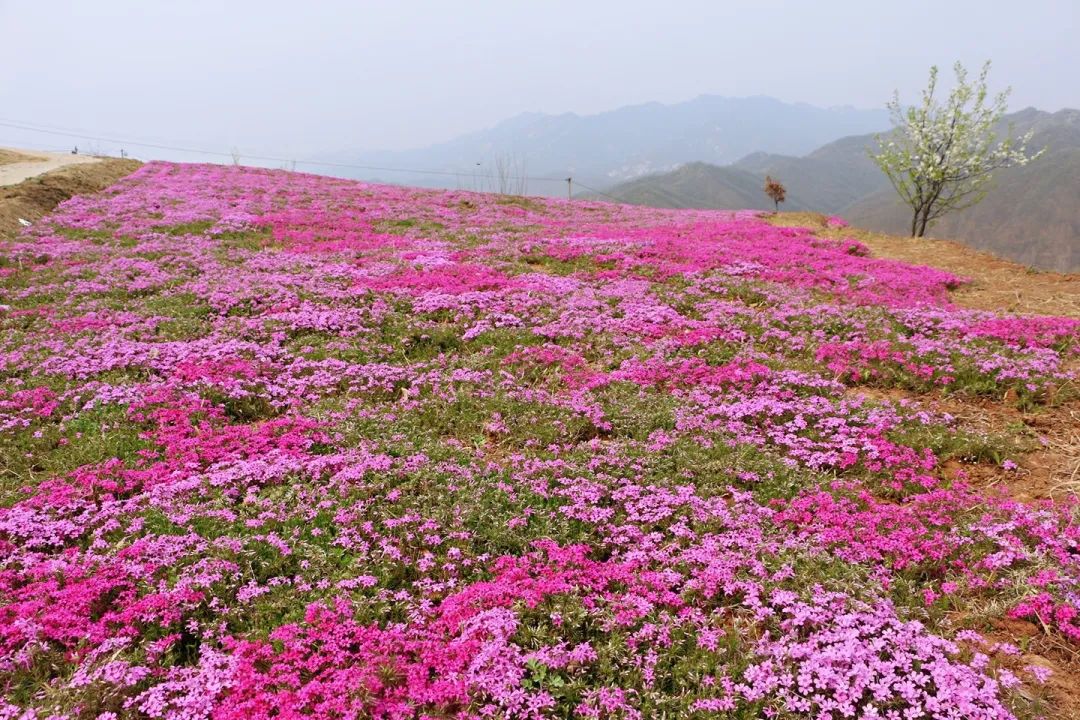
<point x="283" y="446"/>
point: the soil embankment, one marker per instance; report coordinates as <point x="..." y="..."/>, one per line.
<point x="32" y="184"/>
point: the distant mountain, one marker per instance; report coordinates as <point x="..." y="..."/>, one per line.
<point x="618" y="145"/>
<point x="1031" y="215"/>
<point x="828" y="179"/>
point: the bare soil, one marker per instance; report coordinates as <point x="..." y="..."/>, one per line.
<point x="35" y="197"/>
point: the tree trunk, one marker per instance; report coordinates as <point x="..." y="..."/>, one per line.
<point x="914" y="223"/>
<point x="924" y="223"/>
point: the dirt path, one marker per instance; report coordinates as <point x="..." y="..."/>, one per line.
<point x="19" y="165"/>
<point x="48" y="181"/>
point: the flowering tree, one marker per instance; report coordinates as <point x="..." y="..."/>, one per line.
<point x="941" y="157"/>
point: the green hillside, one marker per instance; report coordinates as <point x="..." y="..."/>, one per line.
<point x="1030" y="215"/>
<point x="699" y="185"/>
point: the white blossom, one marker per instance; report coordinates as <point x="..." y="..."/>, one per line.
<point x="941" y="157"/>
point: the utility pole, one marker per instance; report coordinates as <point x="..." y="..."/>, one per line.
<point x="569" y="188"/>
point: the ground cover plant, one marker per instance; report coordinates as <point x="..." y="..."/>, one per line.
<point x="279" y="446"/>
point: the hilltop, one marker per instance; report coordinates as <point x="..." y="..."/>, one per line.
<point x="1029" y="215"/>
<point x="282" y="445"/>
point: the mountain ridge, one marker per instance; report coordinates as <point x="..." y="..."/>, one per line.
<point x="619" y="144"/>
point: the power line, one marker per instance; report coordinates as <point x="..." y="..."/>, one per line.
<point x="268" y="158"/>
<point x="598" y="192"/>
<point x="87" y="136"/>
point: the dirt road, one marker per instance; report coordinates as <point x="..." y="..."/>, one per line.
<point x="32" y="183"/>
<point x="19" y="165"/>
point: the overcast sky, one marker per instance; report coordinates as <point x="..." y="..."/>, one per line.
<point x="295" y="77"/>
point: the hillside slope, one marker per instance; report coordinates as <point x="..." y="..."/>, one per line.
<point x="827" y="180"/>
<point x="279" y="445"/>
<point x="1030" y="215"/>
<point x="30" y="199"/>
<point x="697" y="185"/>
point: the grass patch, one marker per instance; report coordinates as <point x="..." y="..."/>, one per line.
<point x="92" y="437"/>
<point x="196" y="227"/>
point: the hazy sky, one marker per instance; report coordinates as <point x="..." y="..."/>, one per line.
<point x="294" y="77"/>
